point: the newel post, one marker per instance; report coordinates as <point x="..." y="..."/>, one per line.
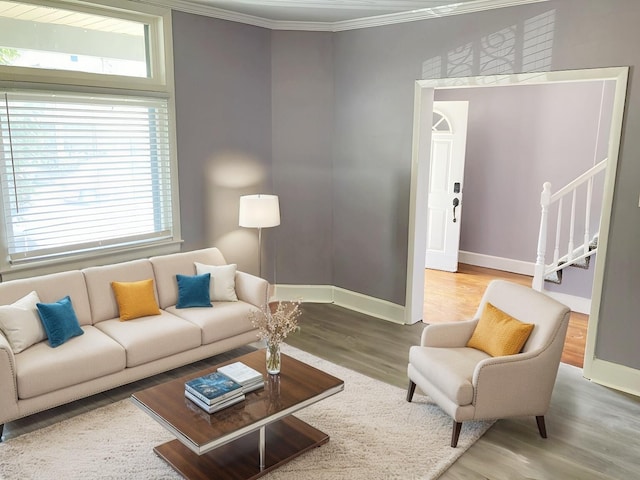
<point x="545" y="200"/>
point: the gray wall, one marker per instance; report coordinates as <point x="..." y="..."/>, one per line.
<point x="374" y="82"/>
<point x="223" y="104"/>
<point x="302" y="99"/>
<point x="374" y="71"/>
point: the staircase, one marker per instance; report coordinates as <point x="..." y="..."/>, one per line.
<point x="570" y="255"/>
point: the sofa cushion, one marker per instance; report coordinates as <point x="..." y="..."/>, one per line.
<point x="21" y="323"/>
<point x="146" y="339"/>
<point x="135" y="299"/>
<point x="450" y="369"/>
<point x="60" y="321"/>
<point x="224" y="320"/>
<point x="41" y="369"/>
<point x="193" y="291"/>
<point x="223" y="281"/>
<point x="103" y="300"/>
<point x="51" y="288"/>
<point x="166" y="267"/>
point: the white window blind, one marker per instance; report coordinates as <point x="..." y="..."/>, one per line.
<point x="82" y="173"/>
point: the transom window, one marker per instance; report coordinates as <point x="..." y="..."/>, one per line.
<point x="37" y="36"/>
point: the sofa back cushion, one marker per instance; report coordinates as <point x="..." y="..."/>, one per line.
<point x="166" y="267"/>
<point x="103" y="301"/>
<point x="51" y="288"/>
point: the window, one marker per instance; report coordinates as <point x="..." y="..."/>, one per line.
<point x="37" y="36"/>
<point x="87" y="165"/>
<point x="82" y="173"/>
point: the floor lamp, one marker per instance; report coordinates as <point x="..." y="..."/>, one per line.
<point x="259" y="211"/>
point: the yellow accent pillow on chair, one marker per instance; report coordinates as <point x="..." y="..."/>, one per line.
<point x="135" y="299"/>
<point x="498" y="333"/>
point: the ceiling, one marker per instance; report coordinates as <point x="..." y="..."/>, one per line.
<point x="332" y="15"/>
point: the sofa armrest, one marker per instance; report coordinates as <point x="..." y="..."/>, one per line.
<point x="447" y="335"/>
<point x="252" y="289"/>
<point x="9" y="390"/>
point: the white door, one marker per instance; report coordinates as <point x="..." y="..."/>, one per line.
<point x="446" y="171"/>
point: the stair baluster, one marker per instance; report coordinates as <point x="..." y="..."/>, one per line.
<point x="573" y="256"/>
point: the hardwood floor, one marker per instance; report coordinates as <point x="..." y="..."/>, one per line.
<point x="593" y="431"/>
<point x="451" y="297"/>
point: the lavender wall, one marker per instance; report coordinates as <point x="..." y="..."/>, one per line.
<point x="224" y="100"/>
<point x="374" y="74"/>
<point x="518" y="138"/>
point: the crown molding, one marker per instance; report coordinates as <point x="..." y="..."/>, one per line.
<point x="198" y="8"/>
<point x="428" y="13"/>
<point x="460" y="8"/>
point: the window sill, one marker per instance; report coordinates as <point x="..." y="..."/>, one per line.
<point x="77" y="262"/>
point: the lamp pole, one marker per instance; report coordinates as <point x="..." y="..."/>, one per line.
<point x="260" y="252"/>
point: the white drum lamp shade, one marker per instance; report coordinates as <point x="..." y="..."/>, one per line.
<point x="259" y="211"/>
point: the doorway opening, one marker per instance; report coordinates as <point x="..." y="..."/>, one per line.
<point x="423" y="111"/>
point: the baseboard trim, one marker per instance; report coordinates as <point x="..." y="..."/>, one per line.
<point x="395" y="313"/>
<point x="497" y="263"/>
<point x="308" y="293"/>
<point x="357" y="302"/>
<point x="575" y="303"/>
<point x="369" y="305"/>
<point x="612" y="375"/>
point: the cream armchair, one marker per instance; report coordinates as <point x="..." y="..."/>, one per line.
<point x="469" y="384"/>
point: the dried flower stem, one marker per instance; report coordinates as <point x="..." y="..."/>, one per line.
<point x="275" y="326"/>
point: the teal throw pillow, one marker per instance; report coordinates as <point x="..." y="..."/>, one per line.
<point x="59" y="321"/>
<point x="193" y="290"/>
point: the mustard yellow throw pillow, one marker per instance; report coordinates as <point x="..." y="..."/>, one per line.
<point x="498" y="333"/>
<point x="135" y="299"/>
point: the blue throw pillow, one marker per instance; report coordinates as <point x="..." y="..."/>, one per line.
<point x="193" y="291"/>
<point x="59" y="321"/>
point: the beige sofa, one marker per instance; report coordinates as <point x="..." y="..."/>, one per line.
<point x="111" y="352"/>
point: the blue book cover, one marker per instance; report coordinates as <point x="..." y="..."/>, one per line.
<point x="213" y="387"/>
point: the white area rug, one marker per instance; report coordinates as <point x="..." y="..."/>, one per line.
<point x="375" y="434"/>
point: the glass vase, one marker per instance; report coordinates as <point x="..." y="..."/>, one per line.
<point x="273" y="358"/>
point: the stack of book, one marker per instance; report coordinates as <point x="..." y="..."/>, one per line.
<point x="246" y="376"/>
<point x="213" y="392"/>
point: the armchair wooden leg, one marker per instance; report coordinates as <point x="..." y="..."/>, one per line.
<point x="455" y="434"/>
<point x="411" y="390"/>
<point x="541" y="426"/>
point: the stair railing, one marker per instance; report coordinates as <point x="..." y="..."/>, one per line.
<point x="573" y="255"/>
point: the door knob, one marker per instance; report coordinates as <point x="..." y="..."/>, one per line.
<point x="456" y="202"/>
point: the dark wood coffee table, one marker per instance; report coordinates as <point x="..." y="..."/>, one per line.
<point x="248" y="439"/>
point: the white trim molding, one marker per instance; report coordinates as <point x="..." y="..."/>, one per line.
<point x="455" y="8"/>
<point x="497" y="263"/>
<point x="459" y="8"/>
<point x="307" y="293"/>
<point x="357" y="302"/>
<point x="575" y="303"/>
<point x="368" y="305"/>
<point x="612" y="375"/>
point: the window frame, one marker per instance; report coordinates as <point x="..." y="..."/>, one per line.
<point x="159" y="84"/>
